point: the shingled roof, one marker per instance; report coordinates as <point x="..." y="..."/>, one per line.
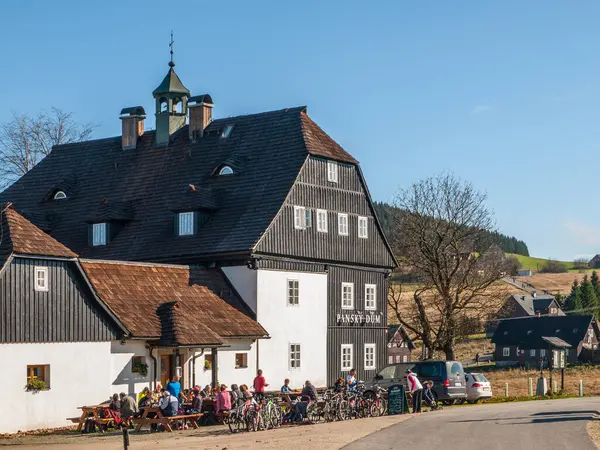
<point x="18" y="235"/>
<point x="532" y="304"/>
<point x="266" y="150"/>
<point x="174" y="305"/>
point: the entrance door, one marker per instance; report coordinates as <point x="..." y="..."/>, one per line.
<point x="165" y="369"/>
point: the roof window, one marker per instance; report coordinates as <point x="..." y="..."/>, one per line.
<point x="225" y="170"/>
<point x="575" y="330"/>
<point x="59" y="195"/>
<point x="227" y="131"/>
<point x="529" y="332"/>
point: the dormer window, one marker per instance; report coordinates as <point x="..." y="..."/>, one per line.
<point x="226" y="170"/>
<point x="227" y="131"/>
<point x="59" y="195"/>
<point x="186" y="223"/>
<point x="332" y="172"/>
<point x="99" y="234"/>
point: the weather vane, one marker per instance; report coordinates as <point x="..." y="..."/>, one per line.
<point x="172" y="62"/>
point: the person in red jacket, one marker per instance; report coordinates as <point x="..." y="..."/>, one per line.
<point x="416" y="389"/>
<point x="259" y="386"/>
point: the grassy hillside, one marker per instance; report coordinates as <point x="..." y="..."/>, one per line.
<point x="536" y="264"/>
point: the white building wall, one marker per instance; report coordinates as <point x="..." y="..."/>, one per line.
<point x="81" y="373"/>
<point x="227" y="372"/>
<point x="244" y="282"/>
<point x="305" y="324"/>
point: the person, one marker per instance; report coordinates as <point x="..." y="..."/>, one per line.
<point x="428" y="396"/>
<point x="157" y="395"/>
<point x="169" y="404"/>
<point x="286" y="389"/>
<point x="339" y="385"/>
<point x="259" y="385"/>
<point x="174" y="387"/>
<point x="236" y="395"/>
<point x="223" y="400"/>
<point x="206" y="391"/>
<point x="129" y="407"/>
<point x="309" y="394"/>
<point x="416" y="389"/>
<point x="477" y="358"/>
<point x="246" y="394"/>
<point x="115" y="403"/>
<point x="351" y="379"/>
<point x="145" y="400"/>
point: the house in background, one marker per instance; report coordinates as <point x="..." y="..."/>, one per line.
<point x="399" y="346"/>
<point x="594" y="263"/>
<point x="524" y="272"/>
<point x="520" y="341"/>
<point x="521" y="305"/>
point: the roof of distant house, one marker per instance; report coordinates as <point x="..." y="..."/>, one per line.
<point x="393" y="329"/>
<point x="532" y="304"/>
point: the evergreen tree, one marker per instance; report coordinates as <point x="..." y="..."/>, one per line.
<point x="574" y="302"/>
<point x="595" y="283"/>
<point x="589" y="301"/>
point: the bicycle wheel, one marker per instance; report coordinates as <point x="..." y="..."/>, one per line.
<point x="276" y="416"/>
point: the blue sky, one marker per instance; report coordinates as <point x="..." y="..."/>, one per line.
<point x="506" y="95"/>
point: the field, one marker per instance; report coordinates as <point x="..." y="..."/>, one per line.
<point x="554" y="283"/>
<point x="536" y="264"/>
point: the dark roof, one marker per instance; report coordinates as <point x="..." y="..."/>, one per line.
<point x="532" y="304"/>
<point x="393" y="329"/>
<point x="267" y="151"/>
<point x="171" y="83"/>
<point x="556" y="342"/>
<point x="172" y="304"/>
<point x="527" y="332"/>
<point x="18" y="235"/>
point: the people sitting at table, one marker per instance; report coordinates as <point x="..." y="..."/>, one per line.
<point x="286" y="390"/>
<point x="339" y="385"/>
<point x="145" y="399"/>
<point x="157" y="394"/>
<point x="168" y="404"/>
<point x="223" y="401"/>
<point x="115" y="403"/>
<point x="206" y="392"/>
<point x="236" y="395"/>
<point x="196" y="407"/>
<point x="309" y="394"/>
<point x="351" y="380"/>
<point x="246" y="394"/>
<point x="174" y="387"/>
<point x="129" y="407"/>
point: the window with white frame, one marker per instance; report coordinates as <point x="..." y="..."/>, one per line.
<point x="369" y="356"/>
<point x="347" y="357"/>
<point x="294" y="356"/>
<point x="532" y="352"/>
<point x="41" y="279"/>
<point x="566" y="352"/>
<point x="186" y="223"/>
<point x="397" y="358"/>
<point x="405" y="358"/>
<point x="363" y="227"/>
<point x="347" y="295"/>
<point x="390" y="359"/>
<point x="332" y="172"/>
<point x="506" y="351"/>
<point x="370" y="297"/>
<point x="307" y="218"/>
<point x="302" y="218"/>
<point x="343" y="224"/>
<point x="293" y="292"/>
<point x="321" y="221"/>
<point x="543" y="352"/>
<point x="99" y="234"/>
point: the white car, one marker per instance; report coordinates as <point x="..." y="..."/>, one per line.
<point x="478" y="387"/>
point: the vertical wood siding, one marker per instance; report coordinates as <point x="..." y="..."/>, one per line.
<point x="313" y="191"/>
<point x="65" y="313"/>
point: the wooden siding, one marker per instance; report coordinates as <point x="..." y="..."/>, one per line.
<point x="67" y="312"/>
<point x="313" y="191"/>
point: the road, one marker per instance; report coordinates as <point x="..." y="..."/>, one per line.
<point x="547" y="425"/>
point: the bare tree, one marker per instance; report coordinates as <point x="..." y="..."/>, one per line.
<point x="25" y="140"/>
<point x="441" y="236"/>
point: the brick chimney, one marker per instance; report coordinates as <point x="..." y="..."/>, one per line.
<point x="132" y="120"/>
<point x="200" y="107"/>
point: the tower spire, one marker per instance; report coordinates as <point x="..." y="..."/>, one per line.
<point x="171" y="45"/>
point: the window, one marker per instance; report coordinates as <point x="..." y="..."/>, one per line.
<point x="332" y="172"/>
<point x="405" y="358"/>
<point x="506" y="351"/>
<point x="99" y="234"/>
<point x="294" y="356"/>
<point x="347" y="295"/>
<point x="293" y="292"/>
<point x="343" y="224"/>
<point x="227" y="131"/>
<point x="552" y="310"/>
<point x="186" y="223"/>
<point x="390" y="359"/>
<point x="363" y="227"/>
<point x="532" y="352"/>
<point x="302" y="218"/>
<point x="225" y="170"/>
<point x="397" y="358"/>
<point x="41" y="279"/>
<point x="60" y="195"/>
<point x="321" y="221"/>
<point x="567" y="352"/>
<point x="138" y="365"/>
<point x="542" y="353"/>
<point x="369" y="356"/>
<point x="241" y="360"/>
<point x="347" y="357"/>
<point x="164" y="105"/>
<point x="370" y="297"/>
<point x="36" y="374"/>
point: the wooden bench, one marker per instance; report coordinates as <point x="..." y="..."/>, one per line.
<point x="160" y="419"/>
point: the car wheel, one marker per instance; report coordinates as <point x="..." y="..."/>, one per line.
<point x="460" y="401"/>
<point x="448" y="402"/>
<point x="472" y="402"/>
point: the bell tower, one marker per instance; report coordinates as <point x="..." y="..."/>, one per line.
<point x="171" y="103"/>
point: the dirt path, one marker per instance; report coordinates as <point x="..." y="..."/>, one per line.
<point x="327" y="436"/>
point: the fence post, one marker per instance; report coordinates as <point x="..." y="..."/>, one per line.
<point x="530" y="387"/>
<point x="506" y="390"/>
<point x="581" y="388"/>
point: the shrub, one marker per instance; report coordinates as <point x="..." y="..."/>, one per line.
<point x="553" y="266"/>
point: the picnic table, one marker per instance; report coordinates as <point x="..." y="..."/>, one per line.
<point x="91" y="413"/>
<point x="160" y="418"/>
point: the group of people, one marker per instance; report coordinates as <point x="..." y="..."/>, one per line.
<point x="421" y="393"/>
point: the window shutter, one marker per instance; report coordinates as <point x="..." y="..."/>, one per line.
<point x="109" y="231"/>
<point x="196" y="219"/>
<point x="176" y="222"/>
<point x="90" y="228"/>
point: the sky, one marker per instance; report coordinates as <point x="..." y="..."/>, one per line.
<point x="505" y="94"/>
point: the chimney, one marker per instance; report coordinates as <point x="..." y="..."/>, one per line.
<point x="132" y="125"/>
<point x="200" y="107"/>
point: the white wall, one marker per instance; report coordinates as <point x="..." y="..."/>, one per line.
<point x="121" y="377"/>
<point x="305" y="324"/>
<point x="227" y="373"/>
<point x="81" y="373"/>
<point x="244" y="281"/>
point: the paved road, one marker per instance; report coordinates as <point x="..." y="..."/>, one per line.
<point x="546" y="425"/>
